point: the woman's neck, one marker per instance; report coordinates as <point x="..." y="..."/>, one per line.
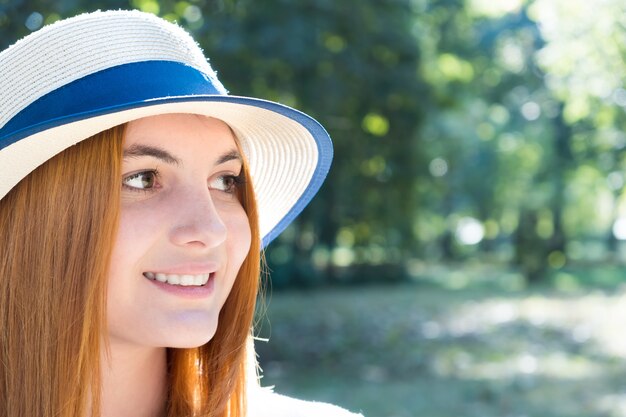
<point x="134" y="381"/>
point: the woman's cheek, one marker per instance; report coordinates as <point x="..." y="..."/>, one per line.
<point x="240" y="237"/>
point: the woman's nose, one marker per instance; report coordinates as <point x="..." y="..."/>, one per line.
<point x="198" y="223"/>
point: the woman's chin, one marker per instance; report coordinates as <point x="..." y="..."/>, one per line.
<point x="188" y="338"/>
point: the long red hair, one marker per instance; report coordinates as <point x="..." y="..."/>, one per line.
<point x="57" y="229"/>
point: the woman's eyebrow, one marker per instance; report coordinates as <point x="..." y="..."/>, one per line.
<point x="232" y="155"/>
<point x="137" y="150"/>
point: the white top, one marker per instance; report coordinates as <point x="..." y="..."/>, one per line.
<point x="262" y="402"/>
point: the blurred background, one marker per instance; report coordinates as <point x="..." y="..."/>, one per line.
<point x="466" y="254"/>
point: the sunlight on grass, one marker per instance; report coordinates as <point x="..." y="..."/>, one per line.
<point x="613" y="405"/>
<point x="424" y="350"/>
<point x="556" y="365"/>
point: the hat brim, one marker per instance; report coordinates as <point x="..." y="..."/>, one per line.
<point x="267" y="132"/>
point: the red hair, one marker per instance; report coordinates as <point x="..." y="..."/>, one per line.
<point x="57" y="228"/>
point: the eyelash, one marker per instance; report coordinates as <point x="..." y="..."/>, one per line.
<point x="237" y="182"/>
<point x="154" y="172"/>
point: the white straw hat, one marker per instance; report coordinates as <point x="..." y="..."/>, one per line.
<point x="80" y="76"/>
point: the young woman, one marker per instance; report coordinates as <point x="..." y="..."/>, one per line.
<point x="135" y="198"/>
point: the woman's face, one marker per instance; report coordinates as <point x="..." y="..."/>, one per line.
<point x="183" y="233"/>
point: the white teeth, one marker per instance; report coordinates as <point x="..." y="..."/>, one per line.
<point x="186" y="280"/>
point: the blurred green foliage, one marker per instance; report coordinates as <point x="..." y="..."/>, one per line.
<point x="462" y="129"/>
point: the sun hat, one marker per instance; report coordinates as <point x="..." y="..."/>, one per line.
<point x="80" y="76"/>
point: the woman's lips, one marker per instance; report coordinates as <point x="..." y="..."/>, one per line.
<point x="201" y="287"/>
<point x="184" y="280"/>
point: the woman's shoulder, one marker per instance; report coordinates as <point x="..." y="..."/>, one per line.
<point x="263" y="402"/>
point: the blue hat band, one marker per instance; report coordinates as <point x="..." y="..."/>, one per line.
<point x="114" y="88"/>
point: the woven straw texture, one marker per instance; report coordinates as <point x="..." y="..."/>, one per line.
<point x="71" y="49"/>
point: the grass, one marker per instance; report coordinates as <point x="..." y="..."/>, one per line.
<point x="433" y="350"/>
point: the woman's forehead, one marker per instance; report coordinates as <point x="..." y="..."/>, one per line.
<point x="175" y="137"/>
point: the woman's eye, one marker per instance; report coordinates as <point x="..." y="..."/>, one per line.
<point x="144" y="180"/>
<point x="227" y="183"/>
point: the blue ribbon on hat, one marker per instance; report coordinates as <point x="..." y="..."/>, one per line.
<point x="113" y="89"/>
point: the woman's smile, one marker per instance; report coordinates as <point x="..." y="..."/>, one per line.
<point x="185" y="275"/>
<point x="184" y="280"/>
<point x="202" y="286"/>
